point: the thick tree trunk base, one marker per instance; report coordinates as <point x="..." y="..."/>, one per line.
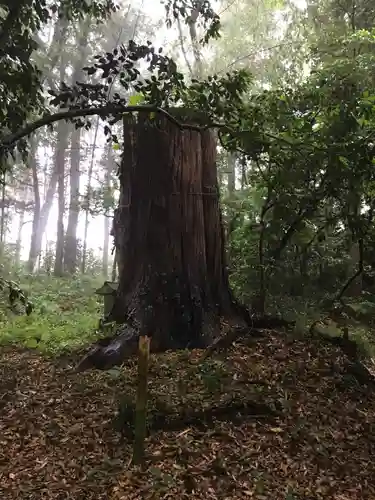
<point x="113" y="351"/>
<point x="169" y="239"/>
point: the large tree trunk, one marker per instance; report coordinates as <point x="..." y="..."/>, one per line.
<point x="173" y="281"/>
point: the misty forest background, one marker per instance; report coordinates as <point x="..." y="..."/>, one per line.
<point x="288" y="237"/>
<point x="297" y="195"/>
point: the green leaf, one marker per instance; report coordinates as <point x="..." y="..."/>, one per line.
<point x="343" y="160"/>
<point x="136" y="99"/>
<point x="31" y="343"/>
<point x="116" y="146"/>
<point x="152" y="115"/>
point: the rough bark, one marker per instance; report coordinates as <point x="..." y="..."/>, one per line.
<point x="168" y="233"/>
<point x="114" y="267"/>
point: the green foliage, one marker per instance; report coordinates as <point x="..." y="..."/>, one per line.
<point x="192" y="11"/>
<point x="65" y="316"/>
<point x="306" y="148"/>
<point x="250" y="34"/>
<point x="20" y="79"/>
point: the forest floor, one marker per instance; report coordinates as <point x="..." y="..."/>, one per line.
<point x="278" y="418"/>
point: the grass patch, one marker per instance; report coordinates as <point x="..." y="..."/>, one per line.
<point x="66" y="314"/>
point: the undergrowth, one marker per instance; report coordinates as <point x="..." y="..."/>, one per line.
<point x="306" y="310"/>
<point x="67" y="311"/>
<point x="65" y="316"/>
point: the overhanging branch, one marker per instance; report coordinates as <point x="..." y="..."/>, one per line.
<point x="111" y="109"/>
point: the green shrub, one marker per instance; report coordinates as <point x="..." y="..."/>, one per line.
<point x="65" y="316"/>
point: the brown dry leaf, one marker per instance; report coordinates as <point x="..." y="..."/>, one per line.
<point x="275" y="419"/>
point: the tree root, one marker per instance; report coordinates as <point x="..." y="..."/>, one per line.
<point x="350" y="348"/>
<point x="113" y="351"/>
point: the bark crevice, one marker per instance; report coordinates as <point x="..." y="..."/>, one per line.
<point x="173" y="283"/>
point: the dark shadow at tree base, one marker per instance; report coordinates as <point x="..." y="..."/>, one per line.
<point x="113" y="351"/>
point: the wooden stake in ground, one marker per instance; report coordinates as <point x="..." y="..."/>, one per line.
<point x="141" y="403"/>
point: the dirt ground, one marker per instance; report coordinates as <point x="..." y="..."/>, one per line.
<point x="313" y="439"/>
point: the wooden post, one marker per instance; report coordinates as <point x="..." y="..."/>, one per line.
<point x="141" y="403"/>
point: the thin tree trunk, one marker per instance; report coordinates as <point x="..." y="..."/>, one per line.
<point x="356" y="285"/>
<point x="71" y="242"/>
<point x="105" y="247"/>
<point x="3" y="215"/>
<point x="231" y="186"/>
<point x="231" y="173"/>
<point x="354" y="289"/>
<point x="19" y="238"/>
<point x="61" y="146"/>
<point x="107" y="228"/>
<point x="21" y="222"/>
<point x="88" y="200"/>
<point x="182" y="45"/>
<point x="192" y="23"/>
<point x="41" y="213"/>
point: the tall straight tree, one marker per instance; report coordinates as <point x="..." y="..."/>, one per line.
<point x="70" y="256"/>
<point x="41" y="210"/>
<point x="107" y="202"/>
<point x="61" y="146"/>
